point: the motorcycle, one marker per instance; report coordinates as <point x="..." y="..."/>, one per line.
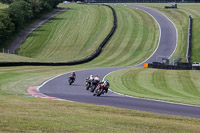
<point x="71" y="80"/>
<point x="101" y="89"/>
<point x="88" y="84"/>
<point x="94" y="85"/>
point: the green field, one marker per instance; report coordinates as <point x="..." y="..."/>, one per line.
<point x="167" y="85"/>
<point x="129" y="46"/>
<point x="22" y="113"/>
<point x="71" y="35"/>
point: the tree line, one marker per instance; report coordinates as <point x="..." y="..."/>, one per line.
<point x="20" y="12"/>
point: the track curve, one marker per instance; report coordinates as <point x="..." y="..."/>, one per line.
<point x="58" y="87"/>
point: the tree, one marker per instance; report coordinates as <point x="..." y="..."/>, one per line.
<point x="36" y="6"/>
<point x="6" y="26"/>
<point x="20" y="12"/>
<point x="6" y="1"/>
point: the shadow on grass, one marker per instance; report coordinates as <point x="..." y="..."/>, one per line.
<point x="39" y="29"/>
<point x="57" y="18"/>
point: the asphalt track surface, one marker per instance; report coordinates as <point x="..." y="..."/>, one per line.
<point x="58" y="87"/>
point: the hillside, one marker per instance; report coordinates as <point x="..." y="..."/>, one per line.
<point x="71" y="35"/>
<point x="22" y="113"/>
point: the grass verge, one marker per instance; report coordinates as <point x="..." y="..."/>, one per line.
<point x="21" y="114"/>
<point x="134" y="41"/>
<point x="167" y="85"/>
<point x="74" y="34"/>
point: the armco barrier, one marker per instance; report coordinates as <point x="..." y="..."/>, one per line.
<point x="87" y="59"/>
<point x="189" y="41"/>
<point x="179" y="66"/>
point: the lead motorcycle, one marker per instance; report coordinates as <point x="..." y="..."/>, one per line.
<point x="101" y="88"/>
<point x="71" y="80"/>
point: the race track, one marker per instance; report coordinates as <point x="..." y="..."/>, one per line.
<point x="59" y="88"/>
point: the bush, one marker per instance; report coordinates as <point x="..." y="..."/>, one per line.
<point x="6" y="26"/>
<point x="20" y="12"/>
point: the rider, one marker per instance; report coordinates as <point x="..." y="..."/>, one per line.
<point x="90" y="78"/>
<point x="89" y="81"/>
<point x="96" y="79"/>
<point x="106" y="85"/>
<point x="73" y="76"/>
<point x="95" y="83"/>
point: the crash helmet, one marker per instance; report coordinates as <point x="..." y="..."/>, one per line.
<point x="96" y="77"/>
<point x="73" y="74"/>
<point x="106" y="83"/>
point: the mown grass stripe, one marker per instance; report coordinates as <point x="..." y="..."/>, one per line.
<point x="146" y="41"/>
<point x="132" y="38"/>
<point x="112" y="46"/>
<point x="82" y="25"/>
<point x="132" y="83"/>
<point x="196" y="40"/>
<point x="161" y="82"/>
<point x="129" y="44"/>
<point x="171" y="85"/>
<point x="187" y="84"/>
<point x="168" y="85"/>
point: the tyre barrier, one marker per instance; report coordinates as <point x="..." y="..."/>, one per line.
<point x="77" y="62"/>
<point x="179" y="66"/>
<point x="189" y="41"/>
<point x="172" y="6"/>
